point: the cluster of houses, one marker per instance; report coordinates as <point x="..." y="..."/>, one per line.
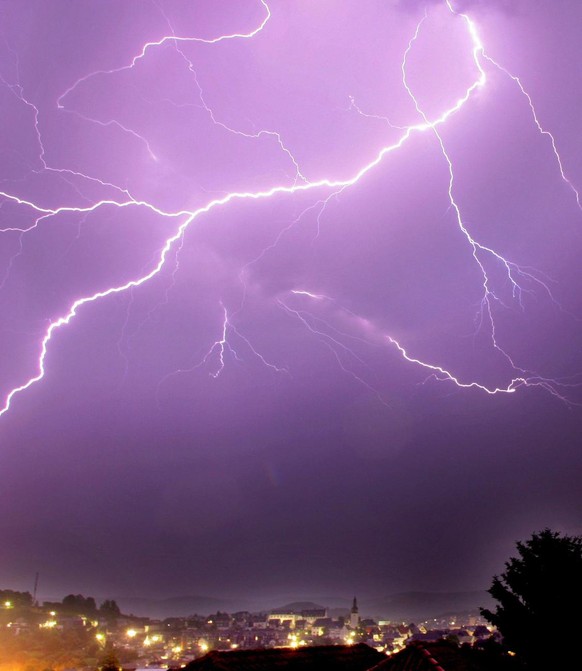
<point x="173" y="643"/>
<point x="176" y="641"/>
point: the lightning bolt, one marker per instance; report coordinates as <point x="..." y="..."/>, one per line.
<point x="512" y="269"/>
<point x="17" y="90"/>
<point x="173" y="39"/>
<point x="223" y="346"/>
<point x="332" y="342"/>
<point x="539" y="126"/>
<point x="182" y="220"/>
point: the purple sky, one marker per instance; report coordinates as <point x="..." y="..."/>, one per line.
<point x="230" y="408"/>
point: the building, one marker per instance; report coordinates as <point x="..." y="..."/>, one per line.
<point x="354" y="615"/>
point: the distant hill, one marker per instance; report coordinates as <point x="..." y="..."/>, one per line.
<point x="424" y="605"/>
<point x="298" y="606"/>
<point x="402" y="606"/>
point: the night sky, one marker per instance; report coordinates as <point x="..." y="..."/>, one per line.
<point x="275" y="318"/>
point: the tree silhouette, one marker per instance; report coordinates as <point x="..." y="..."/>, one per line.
<point x="109" y="609"/>
<point x="109" y="663"/>
<point x="539" y="596"/>
<point x="15" y="599"/>
<point x="78" y="604"/>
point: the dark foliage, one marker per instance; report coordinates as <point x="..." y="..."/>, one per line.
<point x="79" y="605"/>
<point x="16" y="599"/>
<point x="109" y="609"/>
<point x="109" y="663"/>
<point x="539" y="595"/>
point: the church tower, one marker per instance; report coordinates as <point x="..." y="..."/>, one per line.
<point x="354" y="615"/>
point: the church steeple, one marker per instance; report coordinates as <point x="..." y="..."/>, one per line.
<point x="354" y="615"/>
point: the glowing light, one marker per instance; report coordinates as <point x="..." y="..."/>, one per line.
<point x="131" y="633"/>
<point x="49" y="624"/>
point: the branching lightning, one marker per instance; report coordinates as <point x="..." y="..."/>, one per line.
<point x="231" y="340"/>
<point x="215" y="356"/>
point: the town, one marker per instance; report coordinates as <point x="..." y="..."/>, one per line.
<point x="76" y="634"/>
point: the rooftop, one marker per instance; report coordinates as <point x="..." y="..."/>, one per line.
<point x="322" y="658"/>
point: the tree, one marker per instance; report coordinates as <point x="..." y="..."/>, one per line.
<point x="79" y="605"/>
<point x="109" y="663"/>
<point x="539" y="595"/>
<point x="109" y="609"/>
<point x="11" y="599"/>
